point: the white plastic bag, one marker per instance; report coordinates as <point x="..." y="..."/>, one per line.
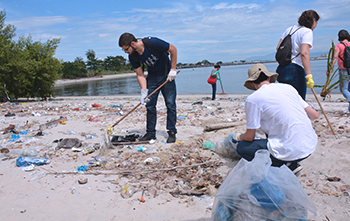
<point x="256" y="191"/>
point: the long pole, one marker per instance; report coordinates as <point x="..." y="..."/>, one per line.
<point x="222" y="88"/>
<point x="324" y="113"/>
<point x="109" y="129"/>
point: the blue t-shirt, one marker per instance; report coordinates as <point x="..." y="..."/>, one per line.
<point x="154" y="61"/>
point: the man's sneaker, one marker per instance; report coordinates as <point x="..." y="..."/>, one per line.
<point x="171" y="137"/>
<point x="295" y="168"/>
<point x="147" y="137"/>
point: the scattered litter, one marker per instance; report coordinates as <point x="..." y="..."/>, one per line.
<point x="126" y="138"/>
<point x="96" y="105"/>
<point x="82" y="180"/>
<point x="52" y="123"/>
<point x="127" y="191"/>
<point x="82" y="168"/>
<point x="10" y="114"/>
<point x="27" y="161"/>
<point x="68" y="143"/>
<point x="88" y="149"/>
<point x="197" y="102"/>
<point x="141" y="148"/>
<point x="97" y="162"/>
<point x="4" y="150"/>
<point x="28" y="168"/>
<point x="181" y="117"/>
<point x="209" y="145"/>
<point x="152" y="160"/>
<point x="93" y="119"/>
<point x="77" y="149"/>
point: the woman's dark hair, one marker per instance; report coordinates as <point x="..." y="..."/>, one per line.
<point x="262" y="77"/>
<point x="343" y="34"/>
<point x="126" y="39"/>
<point x="307" y="18"/>
<point x="216" y="66"/>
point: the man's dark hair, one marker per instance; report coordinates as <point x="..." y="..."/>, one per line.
<point x="343" y="34"/>
<point x="262" y="77"/>
<point x="307" y="18"/>
<point x="216" y="66"/>
<point x="126" y="39"/>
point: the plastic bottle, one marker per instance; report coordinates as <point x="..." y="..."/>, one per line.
<point x="127" y="191"/>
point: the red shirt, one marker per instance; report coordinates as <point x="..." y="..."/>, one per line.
<point x="340" y="47"/>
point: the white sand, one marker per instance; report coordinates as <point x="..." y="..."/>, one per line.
<point x="35" y="195"/>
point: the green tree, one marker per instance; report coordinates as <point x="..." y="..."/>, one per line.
<point x="71" y="70"/>
<point x="7" y="53"/>
<point x="27" y="68"/>
<point x="114" y="63"/>
<point x="91" y="59"/>
<point x="79" y="60"/>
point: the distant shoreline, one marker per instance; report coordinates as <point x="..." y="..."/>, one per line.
<point x="62" y="82"/>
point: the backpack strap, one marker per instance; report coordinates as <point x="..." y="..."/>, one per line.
<point x="343" y="58"/>
<point x="149" y="46"/>
<point x="291" y="35"/>
<point x="344" y="49"/>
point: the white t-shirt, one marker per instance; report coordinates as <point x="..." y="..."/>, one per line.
<point x="279" y="111"/>
<point x="302" y="36"/>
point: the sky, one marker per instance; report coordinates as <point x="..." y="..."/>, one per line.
<point x="212" y="30"/>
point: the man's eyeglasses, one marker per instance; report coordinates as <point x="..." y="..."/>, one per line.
<point x="127" y="49"/>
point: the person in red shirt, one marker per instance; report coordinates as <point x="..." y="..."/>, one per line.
<point x="343" y="38"/>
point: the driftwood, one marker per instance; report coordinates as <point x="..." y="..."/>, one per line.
<point x="127" y="143"/>
<point x="212" y="127"/>
<point x="132" y="171"/>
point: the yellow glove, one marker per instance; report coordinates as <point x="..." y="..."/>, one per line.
<point x="309" y="82"/>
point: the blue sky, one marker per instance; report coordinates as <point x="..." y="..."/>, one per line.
<point x="211" y="29"/>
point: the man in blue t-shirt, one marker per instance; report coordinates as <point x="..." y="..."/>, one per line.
<point x="160" y="69"/>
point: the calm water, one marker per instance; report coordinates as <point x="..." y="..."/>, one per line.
<point x="188" y="81"/>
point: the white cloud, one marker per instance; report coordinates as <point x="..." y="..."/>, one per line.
<point x="35" y="22"/>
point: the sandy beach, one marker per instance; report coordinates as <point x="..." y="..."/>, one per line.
<point x="165" y="181"/>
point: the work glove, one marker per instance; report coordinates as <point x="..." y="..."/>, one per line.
<point x="309" y="82"/>
<point x="144" y="93"/>
<point x="237" y="137"/>
<point x="172" y="75"/>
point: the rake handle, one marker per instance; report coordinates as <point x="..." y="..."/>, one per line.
<point x="160" y="86"/>
<point x="324" y="113"/>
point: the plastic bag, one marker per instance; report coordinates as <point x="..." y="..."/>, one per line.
<point x="226" y="148"/>
<point x="256" y="191"/>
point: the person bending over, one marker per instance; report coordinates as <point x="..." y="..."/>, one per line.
<point x="160" y="69"/>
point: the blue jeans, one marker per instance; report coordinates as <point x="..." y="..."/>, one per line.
<point x="247" y="150"/>
<point x="214" y="91"/>
<point x="294" y="75"/>
<point x="345" y="84"/>
<point x="169" y="94"/>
